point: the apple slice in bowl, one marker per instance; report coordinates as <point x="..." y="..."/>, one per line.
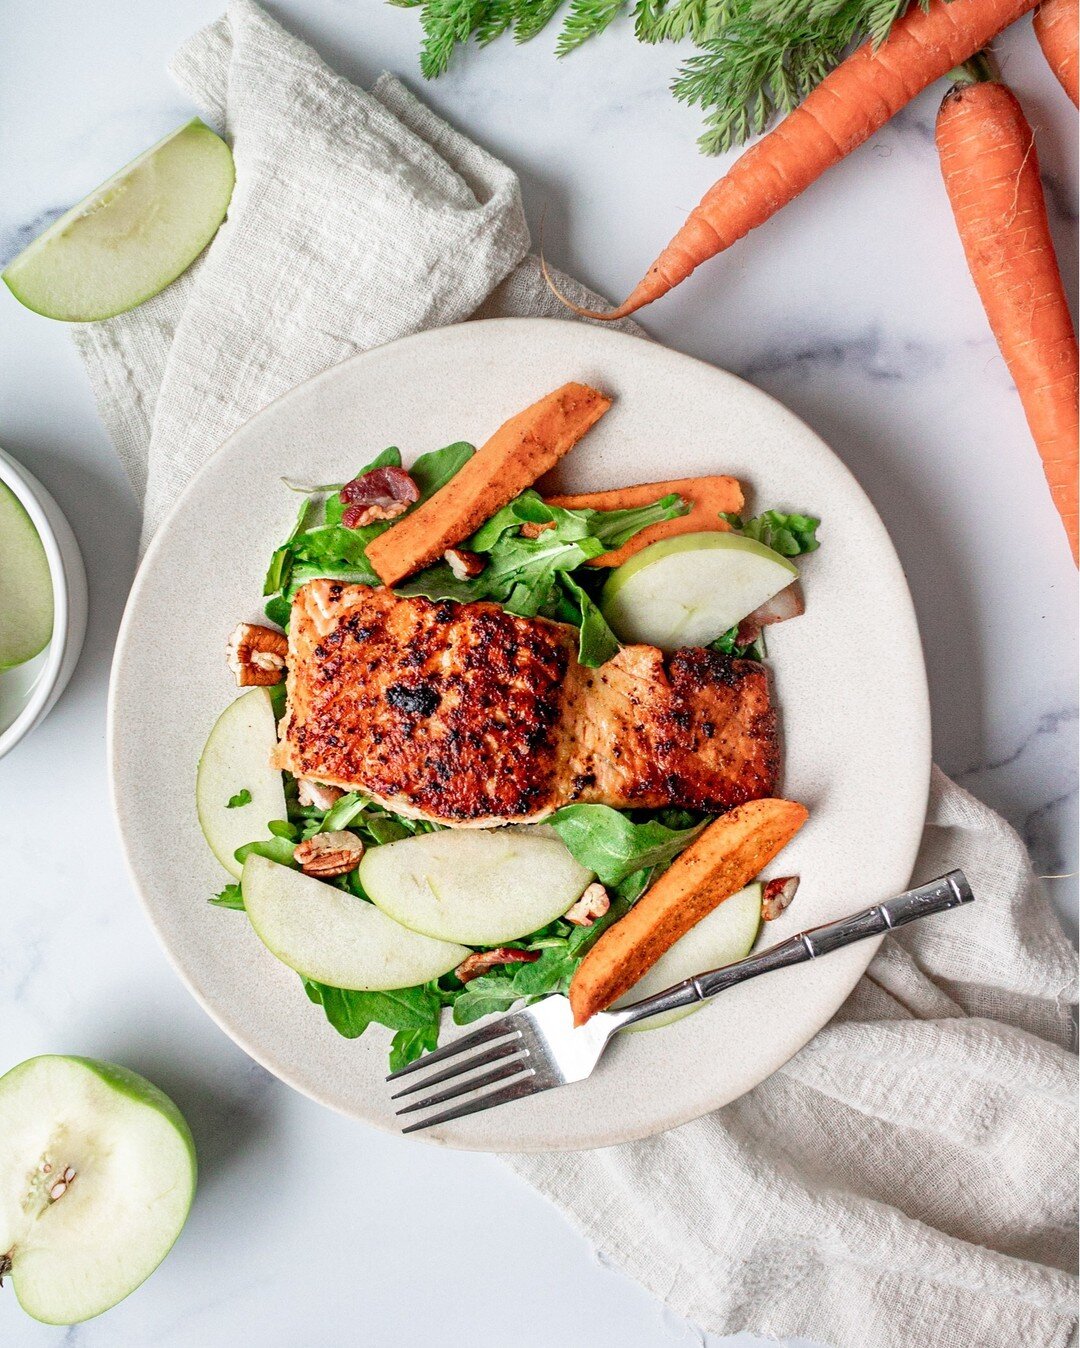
<point x="97" y="1173"/>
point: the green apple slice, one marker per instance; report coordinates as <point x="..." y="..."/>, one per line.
<point x="133" y="235"/>
<point x="235" y="763"/>
<point x="726" y="935"/>
<point x="97" y="1173"/>
<point x="476" y="886"/>
<point x="688" y="590"/>
<point x="333" y="937"/>
<point x="26" y="596"/>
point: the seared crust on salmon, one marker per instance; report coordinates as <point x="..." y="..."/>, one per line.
<point x="468" y="715"/>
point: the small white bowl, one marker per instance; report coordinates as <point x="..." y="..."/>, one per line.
<point x="29" y="691"/>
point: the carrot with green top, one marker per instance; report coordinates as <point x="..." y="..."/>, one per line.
<point x="991" y="172"/>
<point x="844" y="110"/>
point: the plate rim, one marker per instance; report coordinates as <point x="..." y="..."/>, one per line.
<point x="859" y="956"/>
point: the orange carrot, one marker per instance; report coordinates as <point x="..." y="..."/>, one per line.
<point x="991" y="174"/>
<point x="1057" y="26"/>
<point x="846" y="108"/>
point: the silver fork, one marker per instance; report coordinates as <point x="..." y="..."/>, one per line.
<point x="537" y="1048"/>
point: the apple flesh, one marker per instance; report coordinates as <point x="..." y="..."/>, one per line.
<point x="334" y="937"/>
<point x="688" y="590"/>
<point x="26" y="596"/>
<point x="131" y="236"/>
<point x="97" y="1173"/>
<point x="476" y="886"/>
<point x="236" y="758"/>
<point x="727" y="934"/>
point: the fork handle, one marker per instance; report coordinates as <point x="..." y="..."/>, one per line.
<point x="949" y="891"/>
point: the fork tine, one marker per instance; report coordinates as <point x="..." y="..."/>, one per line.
<point x="496" y="1030"/>
<point x="516" y="1090"/>
<point x="516" y="1067"/>
<point x="503" y="1049"/>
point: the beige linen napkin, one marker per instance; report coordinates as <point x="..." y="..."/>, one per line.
<point x="907" y="1180"/>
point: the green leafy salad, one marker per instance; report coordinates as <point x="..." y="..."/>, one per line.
<point x="535" y="559"/>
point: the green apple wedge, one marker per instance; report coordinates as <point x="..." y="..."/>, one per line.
<point x="133" y="235"/>
<point x="476" y="886"/>
<point x="26" y="596"/>
<point x="235" y="767"/>
<point x="334" y="937"/>
<point x="727" y="934"/>
<point x="688" y="590"/>
<point x="97" y="1173"/>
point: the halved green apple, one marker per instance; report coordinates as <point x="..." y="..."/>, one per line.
<point x="333" y="937"/>
<point x="132" y="235"/>
<point x="26" y="596"/>
<point x="688" y="590"/>
<point x="235" y="760"/>
<point x="726" y="935"/>
<point x="97" y="1173"/>
<point x="477" y="886"/>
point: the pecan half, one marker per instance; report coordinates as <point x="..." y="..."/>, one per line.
<point x="464" y="564"/>
<point x="593" y="903"/>
<point x="329" y="854"/>
<point x="381" y="494"/>
<point x="480" y="961"/>
<point x="256" y="655"/>
<point x="531" y="530"/>
<point x="317" y="794"/>
<point x="776" y="896"/>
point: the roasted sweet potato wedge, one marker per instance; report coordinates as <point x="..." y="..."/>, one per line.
<point x="706" y="496"/>
<point x="728" y="855"/>
<point x="520" y="451"/>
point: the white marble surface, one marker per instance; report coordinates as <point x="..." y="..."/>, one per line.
<point x="853" y="307"/>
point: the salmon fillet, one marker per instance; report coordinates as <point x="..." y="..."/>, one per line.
<point x="470" y="716"/>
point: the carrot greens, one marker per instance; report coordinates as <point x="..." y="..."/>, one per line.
<point x="756" y="58"/>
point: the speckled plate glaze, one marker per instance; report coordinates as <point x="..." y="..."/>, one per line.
<point x="849" y="679"/>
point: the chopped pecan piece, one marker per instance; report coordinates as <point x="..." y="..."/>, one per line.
<point x="531" y="530"/>
<point x="329" y="854"/>
<point x="464" y="564"/>
<point x="776" y="896"/>
<point x="256" y="655"/>
<point x="381" y="494"/>
<point x="317" y="794"/>
<point x="593" y="903"/>
<point x="480" y="961"/>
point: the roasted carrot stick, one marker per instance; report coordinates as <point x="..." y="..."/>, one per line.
<point x="1056" y="26"/>
<point x="727" y="856"/>
<point x="846" y="108"/>
<point x="991" y="173"/>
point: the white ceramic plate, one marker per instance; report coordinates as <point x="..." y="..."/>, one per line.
<point x="849" y="679"/>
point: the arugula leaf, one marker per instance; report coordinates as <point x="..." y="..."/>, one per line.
<point x="342" y="813"/>
<point x="230" y="897"/>
<point x="242" y="797"/>
<point x="275" y="849"/>
<point x="407" y="1045"/>
<point x="597" y="643"/>
<point x="435" y="469"/>
<point x="413" y="1011"/>
<point x="611" y="845"/>
<point x="788" y="534"/>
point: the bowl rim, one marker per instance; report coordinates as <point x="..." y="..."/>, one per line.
<point x="25" y="487"/>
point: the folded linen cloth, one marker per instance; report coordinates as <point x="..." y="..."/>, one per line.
<point x="907" y="1180"/>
